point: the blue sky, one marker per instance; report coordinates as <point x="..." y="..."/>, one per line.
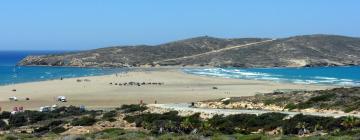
<point x="87" y="24"/>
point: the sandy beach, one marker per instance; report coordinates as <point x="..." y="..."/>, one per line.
<point x="177" y="87"/>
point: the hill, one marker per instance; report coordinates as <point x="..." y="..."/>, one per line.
<point x="297" y="51"/>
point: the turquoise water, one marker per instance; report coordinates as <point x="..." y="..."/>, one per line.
<point x="343" y="76"/>
<point x="11" y="74"/>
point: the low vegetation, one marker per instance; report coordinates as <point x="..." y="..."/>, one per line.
<point x="132" y="108"/>
<point x="245" y="124"/>
<point x="342" y="99"/>
<point x="171" y="125"/>
<point x="109" y="116"/>
<point x="121" y="134"/>
<point x="29" y="117"/>
<point x="83" y="121"/>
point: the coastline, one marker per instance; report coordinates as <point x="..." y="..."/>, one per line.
<point x="178" y="87"/>
<point x="56" y="74"/>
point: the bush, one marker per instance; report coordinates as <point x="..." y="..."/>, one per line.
<point x="304" y="105"/>
<point x="83" y="121"/>
<point x="226" y="102"/>
<point x="55" y="123"/>
<point x="238" y="123"/>
<point x="3" y="125"/>
<point x="5" y="115"/>
<point x="191" y="122"/>
<point x="70" y="111"/>
<point x="324" y="97"/>
<point x="41" y="129"/>
<point x="11" y="137"/>
<point x="74" y="137"/>
<point x="133" y="108"/>
<point x="58" y="130"/>
<point x="269" y="121"/>
<point x="109" y="116"/>
<point x="293" y="125"/>
<point x="111" y="133"/>
<point x="35" y="116"/>
<point x="290" y="106"/>
<point x="17" y="120"/>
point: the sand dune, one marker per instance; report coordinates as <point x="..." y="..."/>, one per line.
<point x="98" y="93"/>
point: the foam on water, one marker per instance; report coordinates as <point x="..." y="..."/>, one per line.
<point x="344" y="76"/>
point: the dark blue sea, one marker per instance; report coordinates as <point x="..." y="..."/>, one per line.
<point x="11" y="74"/>
<point x="342" y="76"/>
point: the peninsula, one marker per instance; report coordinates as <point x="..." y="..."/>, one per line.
<point x="297" y="51"/>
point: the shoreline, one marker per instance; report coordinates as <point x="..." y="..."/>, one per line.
<point x="58" y="78"/>
<point x="178" y="87"/>
<point x="129" y="69"/>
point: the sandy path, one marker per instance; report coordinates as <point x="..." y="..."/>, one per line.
<point x="178" y="88"/>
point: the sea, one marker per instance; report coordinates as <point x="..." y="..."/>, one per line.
<point x="339" y="76"/>
<point x="12" y="74"/>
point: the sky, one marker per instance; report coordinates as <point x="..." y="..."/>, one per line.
<point x="89" y="24"/>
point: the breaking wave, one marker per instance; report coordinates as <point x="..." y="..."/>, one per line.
<point x="342" y="76"/>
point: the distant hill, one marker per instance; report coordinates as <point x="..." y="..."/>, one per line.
<point x="297" y="51"/>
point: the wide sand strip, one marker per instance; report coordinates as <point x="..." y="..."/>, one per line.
<point x="178" y="87"/>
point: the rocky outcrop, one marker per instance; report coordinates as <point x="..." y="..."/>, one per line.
<point x="298" y="51"/>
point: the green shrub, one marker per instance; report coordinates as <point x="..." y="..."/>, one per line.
<point x="70" y="111"/>
<point x="41" y="129"/>
<point x="17" y="120"/>
<point x="11" y="137"/>
<point x="55" y="123"/>
<point x="111" y="133"/>
<point x="226" y="102"/>
<point x="83" y="121"/>
<point x="269" y="102"/>
<point x="58" y="130"/>
<point x="324" y="97"/>
<point x="250" y="137"/>
<point x="133" y="108"/>
<point x="130" y="118"/>
<point x="5" y="115"/>
<point x="35" y="116"/>
<point x="109" y="116"/>
<point x="304" y="105"/>
<point x="275" y="101"/>
<point x="350" y="108"/>
<point x="3" y="125"/>
<point x="268" y="121"/>
<point x="290" y="106"/>
<point x="293" y="125"/>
